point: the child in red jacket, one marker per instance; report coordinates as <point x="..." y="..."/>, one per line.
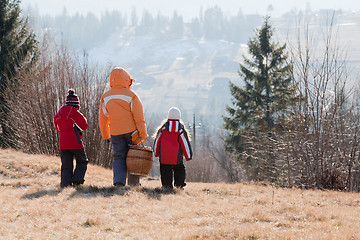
<point x="69" y="122"/>
<point x="171" y="145"/>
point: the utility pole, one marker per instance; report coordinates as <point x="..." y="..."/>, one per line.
<point x="194" y="127"/>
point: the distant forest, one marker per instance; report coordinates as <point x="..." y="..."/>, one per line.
<point x="84" y="32"/>
<point x="88" y="31"/>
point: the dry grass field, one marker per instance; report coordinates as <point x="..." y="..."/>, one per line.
<point x="34" y="207"/>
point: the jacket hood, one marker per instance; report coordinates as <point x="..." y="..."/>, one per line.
<point x="120" y="78"/>
<point x="173" y="126"/>
<point x="65" y="111"/>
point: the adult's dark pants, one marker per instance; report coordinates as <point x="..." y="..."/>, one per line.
<point x="120" y="144"/>
<point x="170" y="172"/>
<point x="68" y="176"/>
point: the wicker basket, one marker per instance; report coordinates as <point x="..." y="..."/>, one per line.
<point x="139" y="160"/>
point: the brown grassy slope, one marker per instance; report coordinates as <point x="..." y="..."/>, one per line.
<point x="34" y="207"/>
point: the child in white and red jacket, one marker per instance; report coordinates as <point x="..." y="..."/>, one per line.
<point x="69" y="122"/>
<point x="171" y="145"/>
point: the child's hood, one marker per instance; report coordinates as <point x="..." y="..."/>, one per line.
<point x="173" y="126"/>
<point x="67" y="111"/>
<point x="120" y="78"/>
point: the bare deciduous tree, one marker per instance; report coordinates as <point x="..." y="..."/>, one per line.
<point x="43" y="90"/>
<point x="323" y="143"/>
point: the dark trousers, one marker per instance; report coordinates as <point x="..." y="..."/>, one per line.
<point x="68" y="176"/>
<point x="168" y="172"/>
<point x="120" y="144"/>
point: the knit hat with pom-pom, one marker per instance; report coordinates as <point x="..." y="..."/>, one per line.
<point x="72" y="99"/>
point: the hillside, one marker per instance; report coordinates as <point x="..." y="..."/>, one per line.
<point x="191" y="74"/>
<point x="194" y="74"/>
<point x="34" y="207"/>
<point x="191" y="64"/>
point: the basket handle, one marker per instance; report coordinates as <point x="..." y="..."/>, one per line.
<point x="143" y="144"/>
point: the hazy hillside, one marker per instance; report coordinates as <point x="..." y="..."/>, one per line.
<point x="190" y="63"/>
<point x="34" y="207"/>
<point x="194" y="73"/>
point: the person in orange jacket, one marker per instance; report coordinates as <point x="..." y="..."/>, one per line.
<point x="69" y="122"/>
<point x="121" y="119"/>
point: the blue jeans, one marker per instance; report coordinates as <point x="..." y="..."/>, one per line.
<point x="120" y="145"/>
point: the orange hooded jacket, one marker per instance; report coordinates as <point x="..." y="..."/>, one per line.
<point x="121" y="110"/>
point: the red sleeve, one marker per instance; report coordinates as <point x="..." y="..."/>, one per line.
<point x="55" y="122"/>
<point x="157" y="144"/>
<point x="80" y="120"/>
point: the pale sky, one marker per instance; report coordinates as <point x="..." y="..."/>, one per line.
<point x="187" y="8"/>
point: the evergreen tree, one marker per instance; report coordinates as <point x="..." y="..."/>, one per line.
<point x="146" y="25"/>
<point x="214" y="23"/>
<point x="259" y="108"/>
<point x="17" y="48"/>
<point x="195" y="28"/>
<point x="176" y="27"/>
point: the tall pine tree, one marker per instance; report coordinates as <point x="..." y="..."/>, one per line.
<point x="17" y="49"/>
<point x="259" y="108"/>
